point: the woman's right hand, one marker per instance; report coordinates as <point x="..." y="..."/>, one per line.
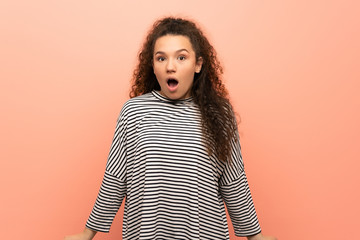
<point x="259" y="236"/>
<point x="87" y="234"/>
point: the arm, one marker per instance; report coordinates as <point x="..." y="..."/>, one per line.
<point x="235" y="191"/>
<point x="113" y="187"/>
<point x="106" y="206"/>
<point x="112" y="190"/>
<point x="108" y="202"/>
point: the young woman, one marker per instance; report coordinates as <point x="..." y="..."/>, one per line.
<point x="175" y="155"/>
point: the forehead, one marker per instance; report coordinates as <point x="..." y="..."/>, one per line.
<point x="172" y="43"/>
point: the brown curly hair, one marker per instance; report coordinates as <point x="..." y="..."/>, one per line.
<point x="218" y="123"/>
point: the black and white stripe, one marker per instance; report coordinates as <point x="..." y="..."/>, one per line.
<point x="173" y="188"/>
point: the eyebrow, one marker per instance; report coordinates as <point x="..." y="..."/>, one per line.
<point x="180" y="50"/>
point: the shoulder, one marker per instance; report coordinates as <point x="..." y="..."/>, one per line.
<point x="135" y="104"/>
<point x="145" y="99"/>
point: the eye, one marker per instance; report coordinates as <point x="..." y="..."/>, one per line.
<point x="160" y="59"/>
<point x="181" y="58"/>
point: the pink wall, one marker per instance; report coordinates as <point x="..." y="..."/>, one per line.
<point x="292" y="70"/>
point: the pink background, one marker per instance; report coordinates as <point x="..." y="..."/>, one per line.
<point x="292" y="69"/>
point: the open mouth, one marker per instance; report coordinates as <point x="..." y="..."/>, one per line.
<point x="172" y="83"/>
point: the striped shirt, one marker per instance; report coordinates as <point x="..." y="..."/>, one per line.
<point x="173" y="189"/>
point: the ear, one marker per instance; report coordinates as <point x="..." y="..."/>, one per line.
<point x="199" y="64"/>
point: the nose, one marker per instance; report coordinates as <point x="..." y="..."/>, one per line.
<point x="170" y="66"/>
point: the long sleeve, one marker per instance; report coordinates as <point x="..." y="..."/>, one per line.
<point x="111" y="194"/>
<point x="235" y="191"/>
<point x="113" y="187"/>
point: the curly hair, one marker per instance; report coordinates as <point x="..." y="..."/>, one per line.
<point x="209" y="93"/>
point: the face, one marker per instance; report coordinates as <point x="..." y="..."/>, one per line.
<point x="175" y="65"/>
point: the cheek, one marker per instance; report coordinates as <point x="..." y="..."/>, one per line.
<point x="190" y="73"/>
<point x="158" y="75"/>
<point x="156" y="70"/>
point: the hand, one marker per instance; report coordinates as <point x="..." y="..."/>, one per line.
<point x="87" y="234"/>
<point x="76" y="237"/>
<point x="269" y="238"/>
<point x="261" y="237"/>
